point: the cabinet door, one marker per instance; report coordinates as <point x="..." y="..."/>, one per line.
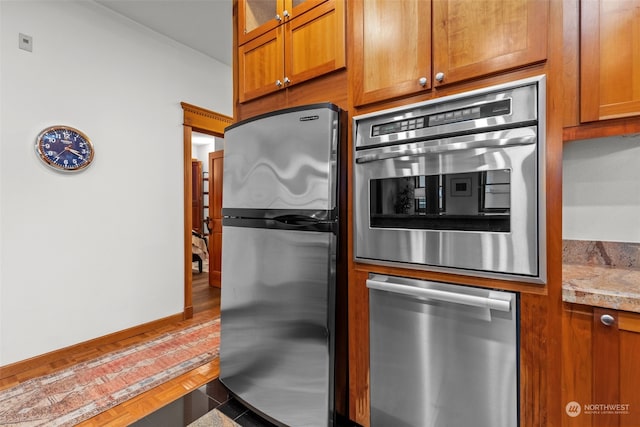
<point x="256" y="17"/>
<point x="629" y="373"/>
<point x="606" y="365"/>
<point x="298" y="7"/>
<point x="577" y="364"/>
<point x="616" y="368"/>
<point x="610" y="62"/>
<point x="315" y="43"/>
<point x="261" y="65"/>
<point x="391" y="48"/>
<point x="481" y="37"/>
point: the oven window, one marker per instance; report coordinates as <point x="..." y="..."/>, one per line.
<point x="472" y="201"/>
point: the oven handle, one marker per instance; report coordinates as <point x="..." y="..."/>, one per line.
<point x="519" y="136"/>
<point x="454" y="297"/>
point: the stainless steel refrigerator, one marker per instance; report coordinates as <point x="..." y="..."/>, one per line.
<point x="283" y="302"/>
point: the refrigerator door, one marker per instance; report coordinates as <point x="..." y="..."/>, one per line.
<point x="283" y="160"/>
<point x="276" y="348"/>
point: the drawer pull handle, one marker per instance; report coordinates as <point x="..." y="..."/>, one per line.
<point x="607" y="319"/>
<point x="458" y="298"/>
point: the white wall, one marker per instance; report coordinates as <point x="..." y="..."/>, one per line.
<point x="88" y="254"/>
<point x="601" y="189"/>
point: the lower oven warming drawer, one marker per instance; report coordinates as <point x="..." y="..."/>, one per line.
<point x="442" y="355"/>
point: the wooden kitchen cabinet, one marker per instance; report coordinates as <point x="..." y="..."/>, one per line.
<point x="610" y="59"/>
<point x="392" y="49"/>
<point x="600" y="367"/>
<point x="477" y="38"/>
<point x="302" y="47"/>
<point x="393" y="42"/>
<point x="256" y="17"/>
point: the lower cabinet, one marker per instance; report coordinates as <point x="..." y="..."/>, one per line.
<point x="601" y="367"/>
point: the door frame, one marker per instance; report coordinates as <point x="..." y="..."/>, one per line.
<point x="211" y="123"/>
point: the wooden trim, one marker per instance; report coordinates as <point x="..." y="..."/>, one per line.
<point x="589" y="62"/>
<point x="188" y="211"/>
<point x="205" y="120"/>
<point x="571" y="61"/>
<point x="602" y="129"/>
<point x="47" y="358"/>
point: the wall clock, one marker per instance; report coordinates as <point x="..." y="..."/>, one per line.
<point x="64" y="148"/>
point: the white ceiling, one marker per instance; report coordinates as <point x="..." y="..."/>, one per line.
<point x="203" y="25"/>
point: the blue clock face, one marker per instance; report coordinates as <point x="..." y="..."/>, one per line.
<point x="64" y="148"/>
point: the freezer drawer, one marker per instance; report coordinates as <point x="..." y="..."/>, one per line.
<point x="276" y="310"/>
<point x="442" y="355"/>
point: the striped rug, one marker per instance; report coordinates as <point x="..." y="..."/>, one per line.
<point x="66" y="397"/>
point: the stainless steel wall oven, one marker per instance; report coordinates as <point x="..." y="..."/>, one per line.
<point x="455" y="183"/>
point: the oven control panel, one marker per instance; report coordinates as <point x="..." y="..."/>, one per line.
<point x="471" y="112"/>
<point x="491" y="109"/>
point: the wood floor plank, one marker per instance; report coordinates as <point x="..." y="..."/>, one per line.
<point x="206" y="303"/>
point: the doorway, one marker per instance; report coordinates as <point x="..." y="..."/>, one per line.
<point x="195" y="120"/>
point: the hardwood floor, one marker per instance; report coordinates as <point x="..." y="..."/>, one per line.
<point x="205" y="297"/>
<point x="206" y="303"/>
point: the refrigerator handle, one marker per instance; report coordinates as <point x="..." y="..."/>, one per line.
<point x="454" y="297"/>
<point x="297" y="220"/>
<point x="283" y="223"/>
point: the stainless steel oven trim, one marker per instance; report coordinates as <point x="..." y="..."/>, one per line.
<point x="541" y="184"/>
<point x="448" y="248"/>
<point x="502" y="138"/>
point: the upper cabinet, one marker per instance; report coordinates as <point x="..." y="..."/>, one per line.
<point x="306" y="39"/>
<point x="610" y="59"/>
<point x="256" y="17"/>
<point x="393" y="42"/>
<point x="391" y="48"/>
<point x="476" y="38"/>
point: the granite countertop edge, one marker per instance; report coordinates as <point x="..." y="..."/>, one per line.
<point x="602" y="286"/>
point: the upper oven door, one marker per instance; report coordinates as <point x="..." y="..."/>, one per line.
<point x="467" y="202"/>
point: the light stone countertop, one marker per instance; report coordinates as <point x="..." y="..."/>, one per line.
<point x="602" y="274"/>
<point x="602" y="286"/>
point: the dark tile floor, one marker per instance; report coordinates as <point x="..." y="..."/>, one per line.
<point x="192" y="406"/>
<point x="213" y="395"/>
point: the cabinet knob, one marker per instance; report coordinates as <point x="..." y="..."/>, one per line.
<point x="278" y="83"/>
<point x="422" y="81"/>
<point x="286" y="80"/>
<point x="278" y="18"/>
<point x="285" y="13"/>
<point x="440" y="76"/>
<point x="607" y="319"/>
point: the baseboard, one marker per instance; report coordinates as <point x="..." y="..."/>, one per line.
<point x="44" y="359"/>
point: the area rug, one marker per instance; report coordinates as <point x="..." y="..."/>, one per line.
<point x="84" y="390"/>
